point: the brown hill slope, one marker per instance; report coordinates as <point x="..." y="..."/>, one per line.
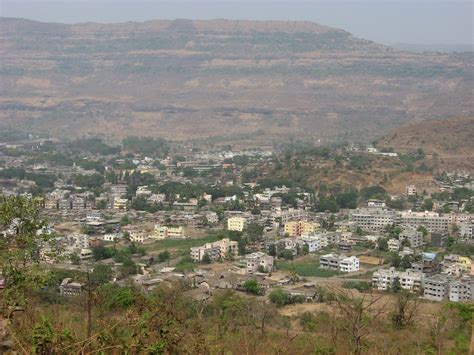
<point x="191" y="79"/>
<point x="450" y="142"/>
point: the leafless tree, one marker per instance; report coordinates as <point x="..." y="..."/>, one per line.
<point x="357" y="314"/>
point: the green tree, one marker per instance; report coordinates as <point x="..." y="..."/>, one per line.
<point x="19" y="250"/>
<point x="101" y="274"/>
<point x="278" y="297"/>
<point x="206" y="259"/>
<point x="383" y="244"/>
<point x="396" y="286"/>
<point x="74" y="259"/>
<point x="164" y="256"/>
<point x="251" y="286"/>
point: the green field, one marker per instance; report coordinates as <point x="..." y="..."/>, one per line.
<point x="308" y="267"/>
<point x="182" y="244"/>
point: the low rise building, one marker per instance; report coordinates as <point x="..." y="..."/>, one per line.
<point x="163" y="232"/>
<point x="383" y="279"/>
<point x="341" y="263"/>
<point x="393" y="245"/>
<point x="70" y="288"/>
<point x="258" y="261"/>
<point x="216" y="251"/>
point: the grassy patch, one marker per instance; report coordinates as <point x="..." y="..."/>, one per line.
<point x="180" y="245"/>
<point x="306" y="268"/>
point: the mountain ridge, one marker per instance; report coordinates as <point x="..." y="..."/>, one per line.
<point x="184" y="79"/>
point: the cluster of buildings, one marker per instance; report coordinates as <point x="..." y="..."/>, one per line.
<point x="437" y="281"/>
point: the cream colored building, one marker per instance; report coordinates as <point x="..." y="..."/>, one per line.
<point x="163" y="232"/>
<point x="299" y="228"/>
<point x="236" y="224"/>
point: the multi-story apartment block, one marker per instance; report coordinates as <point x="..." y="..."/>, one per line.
<point x="339" y="262"/>
<point x="466" y="229"/>
<point x="298" y="228"/>
<point x="78" y="203"/>
<point x="120" y="203"/>
<point x="432" y="221"/>
<point x="461" y="290"/>
<point x="373" y="219"/>
<point x="412" y="235"/>
<point x="163" y="232"/>
<point x="70" y="288"/>
<point x="349" y="264"/>
<point x="236" y="224"/>
<point x="258" y="260"/>
<point x="313" y="242"/>
<point x="393" y="245"/>
<point x="409" y="280"/>
<point x="436" y="288"/>
<point x="216" y="251"/>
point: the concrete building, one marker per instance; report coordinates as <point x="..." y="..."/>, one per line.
<point x="120" y="204"/>
<point x="461" y="290"/>
<point x="256" y="261"/>
<point x="410" y="190"/>
<point x="409" y="280"/>
<point x="432" y="221"/>
<point x="349" y="264"/>
<point x="373" y="219"/>
<point x="313" y="243"/>
<point x="216" y="251"/>
<point x="70" y="288"/>
<point x="466" y="229"/>
<point x="298" y="228"/>
<point x="163" y="232"/>
<point x="436" y="288"/>
<point x="393" y="245"/>
<point x="413" y="236"/>
<point x="236" y="224"/>
<point x="339" y="262"/>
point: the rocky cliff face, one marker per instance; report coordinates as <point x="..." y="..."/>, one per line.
<point x="191" y="79"/>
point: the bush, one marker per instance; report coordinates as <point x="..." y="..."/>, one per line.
<point x="251" y="286"/>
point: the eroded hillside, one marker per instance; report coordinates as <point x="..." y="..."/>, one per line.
<point x="192" y="79"/>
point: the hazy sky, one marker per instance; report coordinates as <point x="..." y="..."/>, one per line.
<point x="384" y="21"/>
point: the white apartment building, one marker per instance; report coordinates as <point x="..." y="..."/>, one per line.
<point x="410" y="190"/>
<point x="138" y="236"/>
<point x="373" y="219"/>
<point x="350" y="264"/>
<point x="313" y="242"/>
<point x="432" y="221"/>
<point x="110" y="237"/>
<point x="409" y="280"/>
<point x="258" y="260"/>
<point x="216" y="251"/>
<point x="393" y="245"/>
<point x="236" y="224"/>
<point x="342" y="263"/>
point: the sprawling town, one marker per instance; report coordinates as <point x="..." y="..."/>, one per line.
<point x="214" y="217"/>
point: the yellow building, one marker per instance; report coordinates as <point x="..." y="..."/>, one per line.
<point x="299" y="228"/>
<point x="236" y="224"/>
